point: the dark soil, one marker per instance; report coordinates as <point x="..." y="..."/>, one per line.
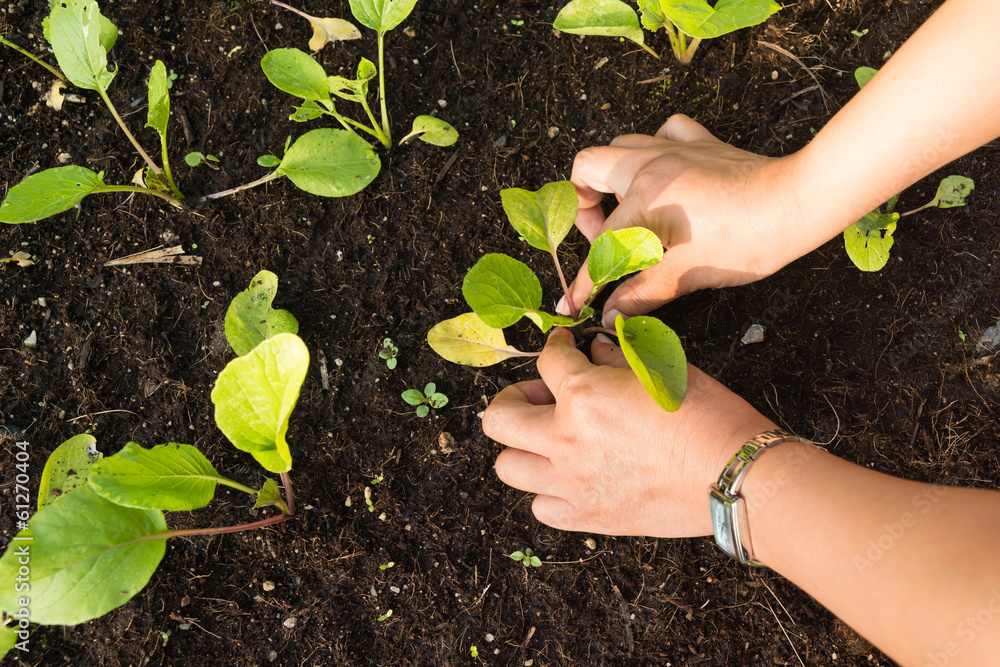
<point x="872" y="363"/>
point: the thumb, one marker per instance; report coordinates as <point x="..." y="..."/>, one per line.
<point x="682" y="128"/>
<point x="605" y="353"/>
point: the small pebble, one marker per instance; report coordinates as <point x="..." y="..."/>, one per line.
<point x="754" y="334"/>
<point x="442" y="103"/>
<point x="290" y="622"/>
<point x="268" y="586"/>
<point x="591" y="543"/>
<point x="553" y="132"/>
<point x="489" y="637"/>
<point x="278" y="26"/>
<point x="272" y="655"/>
<point x="32" y="340"/>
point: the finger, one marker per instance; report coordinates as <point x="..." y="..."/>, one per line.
<point x="579" y="290"/>
<point x="525" y="471"/>
<point x="637" y="141"/>
<point x="518" y="414"/>
<point x="642" y="293"/>
<point x="556" y="512"/>
<point x="605" y="170"/>
<point x="560" y="360"/>
<point x="682" y="128"/>
<point x="605" y="353"/>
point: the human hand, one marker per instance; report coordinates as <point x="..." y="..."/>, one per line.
<point x="602" y="456"/>
<point x="727" y="217"/>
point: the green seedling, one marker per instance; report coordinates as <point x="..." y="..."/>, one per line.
<point x="424" y="400"/>
<point x="681" y="19"/>
<point x="525" y="558"/>
<point x="869" y="240"/>
<point x="386" y="566"/>
<point x="194" y="158"/>
<point x="386" y="615"/>
<point x="502" y="290"/>
<point x="298" y="74"/>
<point x="378" y="479"/>
<point x="473" y="651"/>
<point x="100" y="530"/>
<point x="389" y="352"/>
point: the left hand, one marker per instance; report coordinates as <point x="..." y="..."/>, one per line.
<point x="602" y="456"/>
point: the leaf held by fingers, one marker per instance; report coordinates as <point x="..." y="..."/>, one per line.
<point x="546" y="321"/>
<point x="545" y="217"/>
<point x="501" y="290"/>
<point x="617" y="253"/>
<point x="469" y="341"/>
<point x="656" y="356"/>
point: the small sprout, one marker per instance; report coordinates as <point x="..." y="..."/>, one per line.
<point x="378" y="479"/>
<point x="368" y="499"/>
<point x="194" y="158"/>
<point x="165" y="634"/>
<point x="233" y="50"/>
<point x="473" y="651"/>
<point x="859" y="33"/>
<point x="386" y="615"/>
<point x="386" y="566"/>
<point x="389" y="352"/>
<point x="170" y="79"/>
<point x="961" y="335"/>
<point x="424" y="400"/>
<point x="526" y="559"/>
<point x="517" y="23"/>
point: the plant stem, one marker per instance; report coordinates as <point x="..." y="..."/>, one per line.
<point x="145" y="191"/>
<point x="381" y="87"/>
<point x="916" y="210"/>
<point x="231" y="191"/>
<point x="689" y="53"/>
<point x="286" y="482"/>
<point x="121" y="124"/>
<point x="302" y="14"/>
<point x="562" y="281"/>
<point x="33" y="57"/>
<point x="373" y="130"/>
<point x="604" y="330"/>
<point x="166" y="167"/>
<point x="678" y="41"/>
<point x="235" y="485"/>
<point x="386" y="141"/>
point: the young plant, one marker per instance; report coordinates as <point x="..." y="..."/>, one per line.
<point x="195" y="158"/>
<point x="100" y="530"/>
<point x="298" y="74"/>
<point x="525" y="558"/>
<point x="681" y="19"/>
<point x="869" y="240"/>
<point x="429" y="398"/>
<point x="502" y="290"/>
<point x="389" y="352"/>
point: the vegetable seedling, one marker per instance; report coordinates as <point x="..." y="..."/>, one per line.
<point x="194" y="158"/>
<point x="502" y="290"/>
<point x="298" y="74"/>
<point x="388" y="353"/>
<point x="100" y="530"/>
<point x="525" y="558"/>
<point x="869" y="240"/>
<point x="424" y="400"/>
<point x="681" y="19"/>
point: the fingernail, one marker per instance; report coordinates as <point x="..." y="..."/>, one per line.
<point x="603" y="338"/>
<point x="561" y="306"/>
<point x="609" y="318"/>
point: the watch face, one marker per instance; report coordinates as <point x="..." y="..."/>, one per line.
<point x="722" y="525"/>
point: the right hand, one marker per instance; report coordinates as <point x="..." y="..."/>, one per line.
<point x="726" y="217"/>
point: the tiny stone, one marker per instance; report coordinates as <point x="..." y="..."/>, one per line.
<point x="338" y="362"/>
<point x="268" y="586"/>
<point x="278" y="26"/>
<point x="184" y="626"/>
<point x="591" y="543"/>
<point x="442" y="103"/>
<point x="272" y="655"/>
<point x="990" y="340"/>
<point x="42" y="302"/>
<point x="528" y="663"/>
<point x="290" y="622"/>
<point x="583" y="98"/>
<point x="553" y="132"/>
<point x="32" y="340"/>
<point x="446" y="442"/>
<point x="347" y="503"/>
<point x="774" y="75"/>
<point x="394" y="589"/>
<point x="489" y="637"/>
<point x="63" y="158"/>
<point x="754" y="334"/>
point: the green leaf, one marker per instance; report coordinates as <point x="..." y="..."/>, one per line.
<point x="545" y="217"/>
<point x="429" y="388"/>
<point x="48" y="193"/>
<point x="8" y="638"/>
<point x="295" y="72"/>
<point x="535" y="561"/>
<point x="437" y="400"/>
<point x="269" y="161"/>
<point x="194" y="158"/>
<point x="604" y="18"/>
<point x="413" y="396"/>
<point x="172" y="477"/>
<point x="863" y="75"/>
<point x="86" y="558"/>
<point x="656" y="356"/>
<point x="652" y="15"/>
<point x="546" y="321"/>
<point x="80" y="36"/>
<point x="952" y="192"/>
<point x="270" y="496"/>
<point x="432" y="131"/>
<point x="355" y="90"/>
<point x="617" y="253"/>
<point x="423" y="410"/>
<point x="517" y="555"/>
<point x="381" y="15"/>
<point x="501" y="290"/>
<point x="159" y="100"/>
<point x="330" y="163"/>
<point x="307" y="111"/>
<point x="255" y="395"/>
<point x="469" y="341"/>
<point x="67" y="467"/>
<point x="869" y="240"/>
<point x="699" y="19"/>
<point x="250" y="318"/>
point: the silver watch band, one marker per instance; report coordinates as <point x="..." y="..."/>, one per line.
<point x="730" y="522"/>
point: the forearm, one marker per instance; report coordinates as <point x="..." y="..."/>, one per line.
<point x="913" y="567"/>
<point x="935" y="100"/>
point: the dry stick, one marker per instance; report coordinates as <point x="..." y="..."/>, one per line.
<point x="801" y="64"/>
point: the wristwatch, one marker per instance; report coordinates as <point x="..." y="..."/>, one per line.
<point x="729" y="512"/>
